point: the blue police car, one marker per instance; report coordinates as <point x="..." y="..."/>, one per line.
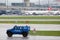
<point x="24" y="30"/>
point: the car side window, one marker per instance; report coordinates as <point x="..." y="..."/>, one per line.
<point x="20" y="27"/>
<point x="15" y="27"/>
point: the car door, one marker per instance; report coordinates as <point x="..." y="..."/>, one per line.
<point x="18" y="30"/>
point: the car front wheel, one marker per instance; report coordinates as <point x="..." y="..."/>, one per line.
<point x="25" y="34"/>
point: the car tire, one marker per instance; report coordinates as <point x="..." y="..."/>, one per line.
<point x="25" y="34"/>
<point x="9" y="34"/>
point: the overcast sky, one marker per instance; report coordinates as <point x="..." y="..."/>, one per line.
<point x="32" y="1"/>
<point x="23" y="0"/>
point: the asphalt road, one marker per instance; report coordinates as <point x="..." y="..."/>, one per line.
<point x="32" y="26"/>
<point x="4" y="27"/>
<point x="32" y="38"/>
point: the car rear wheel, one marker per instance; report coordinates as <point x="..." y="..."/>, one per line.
<point x="25" y="34"/>
<point x="9" y="34"/>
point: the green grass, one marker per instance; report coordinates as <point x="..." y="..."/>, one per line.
<point x="31" y="22"/>
<point x="45" y="33"/>
<point x="29" y="17"/>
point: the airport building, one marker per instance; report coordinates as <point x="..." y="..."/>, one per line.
<point x="22" y="4"/>
<point x="2" y="4"/>
<point x="26" y="4"/>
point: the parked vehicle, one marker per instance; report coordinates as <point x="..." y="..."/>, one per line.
<point x="2" y="12"/>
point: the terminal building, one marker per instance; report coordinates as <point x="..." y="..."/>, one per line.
<point x="27" y="5"/>
<point x="2" y="4"/>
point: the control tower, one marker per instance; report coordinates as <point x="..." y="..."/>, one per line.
<point x="27" y="2"/>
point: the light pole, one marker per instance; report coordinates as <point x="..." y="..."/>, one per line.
<point x="48" y="7"/>
<point x="6" y="1"/>
<point x="39" y="4"/>
<point x="48" y="4"/>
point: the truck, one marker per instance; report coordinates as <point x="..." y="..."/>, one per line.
<point x="24" y="30"/>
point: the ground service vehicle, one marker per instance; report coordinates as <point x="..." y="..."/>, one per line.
<point x="24" y="30"/>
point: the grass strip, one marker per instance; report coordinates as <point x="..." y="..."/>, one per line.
<point x="30" y="17"/>
<point x="45" y="33"/>
<point x="31" y="22"/>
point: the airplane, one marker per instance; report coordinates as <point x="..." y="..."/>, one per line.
<point x="41" y="12"/>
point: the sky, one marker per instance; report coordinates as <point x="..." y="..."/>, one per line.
<point x="35" y="1"/>
<point x="32" y="1"/>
